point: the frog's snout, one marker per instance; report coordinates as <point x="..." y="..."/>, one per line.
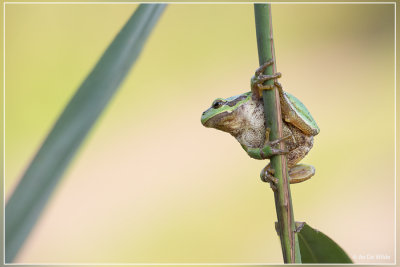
<point x="204" y="119"/>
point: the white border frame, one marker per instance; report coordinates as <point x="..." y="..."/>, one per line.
<point x="210" y="3"/>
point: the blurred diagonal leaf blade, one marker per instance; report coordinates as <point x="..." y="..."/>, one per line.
<point x="45" y="170"/>
<point x="316" y="247"/>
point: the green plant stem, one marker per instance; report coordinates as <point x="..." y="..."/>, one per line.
<point x="283" y="202"/>
<point x="62" y="143"/>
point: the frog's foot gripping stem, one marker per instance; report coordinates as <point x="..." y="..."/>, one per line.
<point x="297" y="174"/>
<point x="260" y="70"/>
<point x="271" y="144"/>
<point x="269" y="150"/>
<point x="267" y="175"/>
<point x="259" y="78"/>
<point x="277" y="141"/>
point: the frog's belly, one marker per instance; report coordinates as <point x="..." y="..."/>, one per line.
<point x="298" y="145"/>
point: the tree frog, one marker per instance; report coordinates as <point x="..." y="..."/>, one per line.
<point x="243" y="117"/>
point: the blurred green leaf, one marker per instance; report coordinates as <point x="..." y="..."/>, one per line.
<point x="63" y="141"/>
<point x="316" y="247"/>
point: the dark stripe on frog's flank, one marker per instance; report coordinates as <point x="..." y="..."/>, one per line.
<point x="230" y="104"/>
<point x="235" y="101"/>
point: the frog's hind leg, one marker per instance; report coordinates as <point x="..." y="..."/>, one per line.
<point x="297" y="174"/>
<point x="300" y="173"/>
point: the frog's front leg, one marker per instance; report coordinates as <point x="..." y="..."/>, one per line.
<point x="268" y="150"/>
<point x="297" y="174"/>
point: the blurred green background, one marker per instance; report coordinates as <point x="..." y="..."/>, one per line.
<point x="151" y="184"/>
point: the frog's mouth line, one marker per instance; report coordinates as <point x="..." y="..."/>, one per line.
<point x="214" y="122"/>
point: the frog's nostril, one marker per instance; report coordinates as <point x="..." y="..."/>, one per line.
<point x="203" y="113"/>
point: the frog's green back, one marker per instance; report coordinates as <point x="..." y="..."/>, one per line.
<point x="303" y="112"/>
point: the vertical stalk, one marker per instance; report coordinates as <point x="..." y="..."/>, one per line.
<point x="272" y="111"/>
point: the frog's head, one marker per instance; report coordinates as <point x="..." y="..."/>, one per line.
<point x="223" y="113"/>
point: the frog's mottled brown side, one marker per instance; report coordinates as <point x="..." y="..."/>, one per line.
<point x="299" y="145"/>
<point x="247" y="124"/>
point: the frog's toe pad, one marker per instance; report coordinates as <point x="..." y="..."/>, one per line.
<point x="300" y="173"/>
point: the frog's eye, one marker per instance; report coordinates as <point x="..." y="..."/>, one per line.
<point x="217" y="103"/>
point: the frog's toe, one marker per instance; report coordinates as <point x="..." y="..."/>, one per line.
<point x="263" y="78"/>
<point x="277" y="151"/>
<point x="257" y="82"/>
<point x="277" y="84"/>
<point x="300" y="173"/>
<point x="262" y="87"/>
<point x="261" y="69"/>
<point x="271" y="143"/>
<point x="260" y="79"/>
<point x="267" y="175"/>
